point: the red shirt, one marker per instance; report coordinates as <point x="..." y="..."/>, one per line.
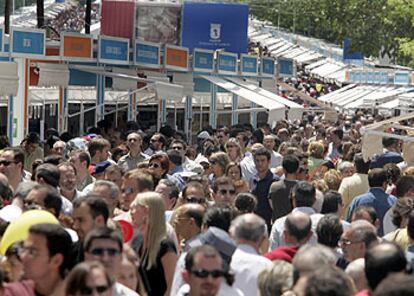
<point x="283" y="253"/>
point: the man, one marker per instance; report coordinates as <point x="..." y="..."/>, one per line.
<point x="261" y="182"/>
<point x="12" y="164"/>
<point x="67" y="181"/>
<point x="303" y="198"/>
<point x="279" y="193"/>
<point x="44" y="197"/>
<point x="335" y="150"/>
<point x="135" y="156"/>
<point x="134" y="182"/>
<point x="109" y="192"/>
<point x="355" y="185"/>
<point x="247" y="165"/>
<point x="98" y="149"/>
<point x="114" y="174"/>
<point x="375" y="197"/>
<point x="249" y="231"/>
<point x="59" y="148"/>
<point x="188" y="164"/>
<point x="223" y="191"/>
<point x="298" y="231"/>
<point x="105" y="245"/>
<point x="81" y="161"/>
<point x="357" y="238"/>
<point x="45" y="256"/>
<point x="269" y="141"/>
<point x="204" y="271"/>
<point x="223" y="136"/>
<point x="156" y="145"/>
<point x="31" y="150"/>
<point x="176" y="169"/>
<point x="194" y="192"/>
<point x="188" y="221"/>
<point x="169" y="192"/>
<point x="392" y="153"/>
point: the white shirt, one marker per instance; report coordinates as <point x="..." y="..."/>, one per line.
<point x="246" y="264"/>
<point x="248" y="167"/>
<point x="275" y="159"/>
<point x="121" y="290"/>
<point x="387" y="222"/>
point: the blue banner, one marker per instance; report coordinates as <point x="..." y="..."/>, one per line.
<point x="402" y="78"/>
<point x="147" y="54"/>
<point x="113" y="50"/>
<point x="28" y="42"/>
<point x="203" y="60"/>
<point x="268" y="67"/>
<point x="248" y="65"/>
<point x="286" y="67"/>
<point x="227" y="63"/>
<point x="215" y="26"/>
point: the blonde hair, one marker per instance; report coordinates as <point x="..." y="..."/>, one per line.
<point x="333" y="179"/>
<point x="237" y="143"/>
<point x="316" y="149"/>
<point x="156" y="228"/>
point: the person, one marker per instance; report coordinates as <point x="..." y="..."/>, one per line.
<point x="247" y="163"/>
<point x="219" y="162"/>
<point x="245" y="203"/>
<point x="105" y="245"/>
<point x="409" y="253"/>
<point x="158" y="253"/>
<point x="159" y="166"/>
<point x="98" y="149"/>
<point x="188" y="220"/>
<point x="356" y="271"/>
<point x="175" y="168"/>
<point x="261" y="182"/>
<point x="233" y="171"/>
<point x="114" y="174"/>
<point x="135" y="155"/>
<point x="134" y="182"/>
<point x="392" y="153"/>
<point x="59" y="148"/>
<point x="31" y="150"/>
<point x="280" y="191"/>
<point x="46" y="258"/>
<point x="81" y="161"/>
<point x="67" y="181"/>
<point x="170" y="193"/>
<point x="376" y="197"/>
<point x="397" y="284"/>
<point x="89" y="278"/>
<point x="223" y="135"/>
<point x="276" y="280"/>
<point x="249" y="231"/>
<point x="189" y="165"/>
<point x="316" y="151"/>
<point x="332" y="203"/>
<point x="204" y="271"/>
<point x="269" y="142"/>
<point x="328" y="281"/>
<point x="335" y="150"/>
<point x="346" y="169"/>
<point x="233" y="150"/>
<point x="109" y="192"/>
<point x="156" y="145"/>
<point x="193" y="192"/>
<point x="297" y="232"/>
<point x="12" y="166"/>
<point x="223" y="191"/>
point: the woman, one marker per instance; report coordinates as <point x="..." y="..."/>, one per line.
<point x="89" y="278"/>
<point x="316" y="152"/>
<point x="158" y="252"/>
<point x="233" y="171"/>
<point x="234" y="150"/>
<point x="159" y="166"/>
<point x="218" y="161"/>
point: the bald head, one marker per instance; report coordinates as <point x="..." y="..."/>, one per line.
<point x="248" y="228"/>
<point x="192" y="210"/>
<point x="297" y="228"/>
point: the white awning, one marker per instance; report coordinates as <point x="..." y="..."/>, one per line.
<point x="51" y="74"/>
<point x="9" y="79"/>
<point x="295" y="110"/>
<point x="276" y="110"/>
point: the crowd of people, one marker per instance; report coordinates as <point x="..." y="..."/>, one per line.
<point x="290" y="210"/>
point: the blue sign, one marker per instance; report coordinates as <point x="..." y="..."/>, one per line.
<point x="371" y="77"/>
<point x="248" y="65"/>
<point x="286" y="67"/>
<point x="147" y="54"/>
<point x="384" y="78"/>
<point x="215" y="26"/>
<point x="402" y="78"/>
<point x="113" y="50"/>
<point x="203" y="60"/>
<point x="348" y="54"/>
<point x="1" y="38"/>
<point x="28" y="42"/>
<point x="227" y="63"/>
<point x="268" y="67"/>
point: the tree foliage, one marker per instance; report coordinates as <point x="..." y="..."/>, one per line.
<point x="375" y="28"/>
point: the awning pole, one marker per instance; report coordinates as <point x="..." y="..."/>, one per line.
<point x="234" y="106"/>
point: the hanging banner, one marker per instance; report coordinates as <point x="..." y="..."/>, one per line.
<point x="248" y="65"/>
<point x="147" y="54"/>
<point x="203" y="60"/>
<point x="215" y="26"/>
<point x="27" y="42"/>
<point x="286" y="67"/>
<point x="176" y="58"/>
<point x="113" y="50"/>
<point x="267" y="66"/>
<point x="76" y="47"/>
<point x="227" y="63"/>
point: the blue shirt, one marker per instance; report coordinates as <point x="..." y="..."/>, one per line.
<point x="388" y="157"/>
<point x="377" y="198"/>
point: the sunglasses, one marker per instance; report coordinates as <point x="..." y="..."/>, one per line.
<point x="127" y="190"/>
<point x="202" y="273"/>
<point x="154" y="165"/>
<point x="89" y="291"/>
<point x="177" y="148"/>
<point x="6" y="162"/>
<point x="101" y="251"/>
<point x="195" y="200"/>
<point x="225" y="191"/>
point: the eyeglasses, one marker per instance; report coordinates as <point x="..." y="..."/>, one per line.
<point x="202" y="273"/>
<point x="89" y="291"/>
<point x="32" y="252"/>
<point x="192" y="199"/>
<point x="177" y="148"/>
<point x="101" y="251"/>
<point x="154" y="140"/>
<point x="154" y="165"/>
<point x="127" y="190"/>
<point x="6" y="162"/>
<point x="225" y="191"/>
<point x="347" y="242"/>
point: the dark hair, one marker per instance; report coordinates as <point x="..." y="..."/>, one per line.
<point x="304" y="194"/>
<point x="377" y="177"/>
<point x="396" y="284"/>
<point x="393" y="172"/>
<point x="298" y="233"/>
<point x="338" y="132"/>
<point x="387" y="142"/>
<point x="331" y="201"/>
<point x="54" y="159"/>
<point x="97" y="144"/>
<point x="58" y="242"/>
<point x="207" y="251"/>
<point x="52" y="199"/>
<point x="196" y="214"/>
<point x="410" y="226"/>
<point x="328" y="281"/>
<point x="175" y="192"/>
<point x="179" y="141"/>
<point x="329" y="230"/>
<point x="245" y="202"/>
<point x="361" y="166"/>
<point x="175" y="157"/>
<point x="382" y="259"/>
<point x="97" y="206"/>
<point x="219" y="216"/>
<point x="83" y="156"/>
<point x="290" y="163"/>
<point x="221" y="181"/>
<point x="368" y="209"/>
<point x="401" y="209"/>
<point x="18" y="154"/>
<point x="49" y="173"/>
<point x="262" y="152"/>
<point x="103" y="233"/>
<point x="5" y="192"/>
<point x="193" y="184"/>
<point x="404" y="185"/>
